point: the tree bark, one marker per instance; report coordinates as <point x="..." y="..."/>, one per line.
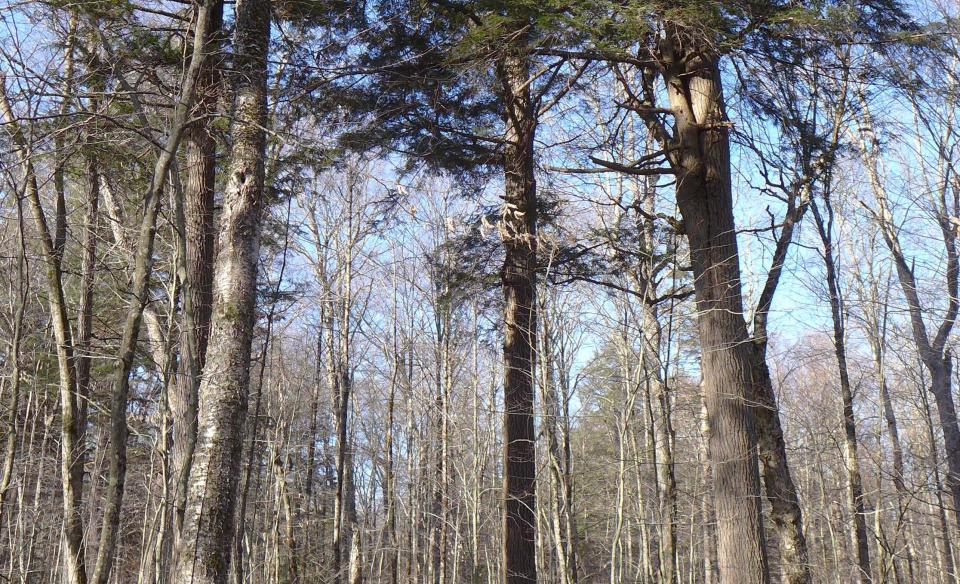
<point x="704" y="197"/>
<point x="203" y="553"/>
<point x="519" y="233"/>
<point x="781" y="492"/>
<point x="200" y="154"/>
<point x="140" y="295"/>
<point x="341" y="384"/>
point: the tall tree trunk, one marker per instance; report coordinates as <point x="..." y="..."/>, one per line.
<point x="519" y="233"/>
<point x="571" y="519"/>
<point x="342" y="384"/>
<point x="203" y="554"/>
<point x="88" y="271"/>
<point x="851" y="458"/>
<point x="200" y="154"/>
<point x="559" y="504"/>
<point x="444" y="380"/>
<point x="390" y="480"/>
<point x="876" y="336"/>
<point x="72" y="454"/>
<point x="16" y="375"/>
<point x="932" y="348"/>
<point x="704" y="197"/>
<point x="781" y="492"/>
<point x="60" y="151"/>
<point x="946" y="549"/>
<point x="140" y="295"/>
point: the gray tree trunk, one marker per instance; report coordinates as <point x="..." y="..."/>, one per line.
<point x="785" y="514"/>
<point x="855" y="496"/>
<point x="140" y="293"/>
<point x="72" y="452"/>
<point x="198" y="192"/>
<point x="704" y="197"/>
<point x="203" y="554"/>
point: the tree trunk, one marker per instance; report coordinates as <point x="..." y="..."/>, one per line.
<point x="390" y="490"/>
<point x="781" y="492"/>
<point x="932" y="348"/>
<point x="705" y="201"/>
<point x="140" y="293"/>
<point x="559" y="504"/>
<point x="16" y="375"/>
<point x="946" y="550"/>
<point x="200" y="155"/>
<point x="342" y="384"/>
<point x="204" y="551"/>
<point x="72" y="452"/>
<point x="519" y="233"/>
<point x="444" y="380"/>
<point x="851" y="459"/>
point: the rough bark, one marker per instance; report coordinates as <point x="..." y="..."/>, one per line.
<point x="203" y="553"/>
<point x="704" y="197"/>
<point x="519" y="233"/>
<point x="139" y="296"/>
<point x="200" y="168"/>
<point x="781" y="492"/>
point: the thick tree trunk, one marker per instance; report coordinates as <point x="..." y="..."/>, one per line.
<point x="705" y="201"/>
<point x="946" y="549"/>
<point x="203" y="554"/>
<point x="941" y="369"/>
<point x="200" y="155"/>
<point x="519" y="232"/>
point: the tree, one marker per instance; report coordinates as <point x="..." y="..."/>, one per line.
<point x="204" y="551"/>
